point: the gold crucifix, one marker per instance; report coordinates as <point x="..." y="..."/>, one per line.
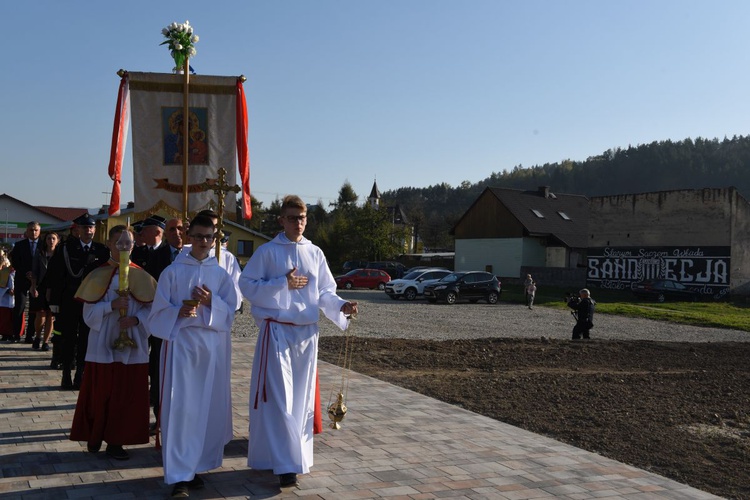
<point x="221" y="188"/>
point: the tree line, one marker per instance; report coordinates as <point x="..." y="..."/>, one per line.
<point x="349" y="230"/>
<point x="345" y="230"/>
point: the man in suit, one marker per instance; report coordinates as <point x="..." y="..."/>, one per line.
<point x="158" y="261"/>
<point x="21" y="258"/>
<point x="165" y="254"/>
<point x="67" y="268"/>
<point x="152" y="230"/>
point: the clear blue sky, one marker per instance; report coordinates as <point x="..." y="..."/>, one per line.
<point x="411" y="92"/>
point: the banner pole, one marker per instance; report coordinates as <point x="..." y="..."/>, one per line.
<point x="185" y="139"/>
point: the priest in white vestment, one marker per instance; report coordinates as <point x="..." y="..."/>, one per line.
<point x="195" y="364"/>
<point x="288" y="283"/>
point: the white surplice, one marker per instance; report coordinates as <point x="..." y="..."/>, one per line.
<point x="228" y="262"/>
<point x="285" y="362"/>
<point x="195" y="365"/>
<point x="105" y="329"/>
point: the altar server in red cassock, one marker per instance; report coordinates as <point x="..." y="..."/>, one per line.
<point x="113" y="403"/>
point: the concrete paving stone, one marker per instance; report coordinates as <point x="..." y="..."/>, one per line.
<point x="354" y="479"/>
<point x="396" y="475"/>
<point x="453" y="494"/>
<point x="561" y="490"/>
<point x="381" y="465"/>
<point x="13" y="484"/>
<point x="52" y="481"/>
<point x="527" y="494"/>
<point x="348" y="493"/>
<point x="469" y="484"/>
<point x="487" y="494"/>
<point x="394" y="491"/>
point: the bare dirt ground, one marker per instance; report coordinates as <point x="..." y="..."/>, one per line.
<point x="677" y="409"/>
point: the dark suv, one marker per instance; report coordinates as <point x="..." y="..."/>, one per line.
<point x="471" y="285"/>
<point x="351" y="265"/>
<point x="394" y="269"/>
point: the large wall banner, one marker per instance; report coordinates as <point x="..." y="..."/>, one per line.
<point x="156" y="112"/>
<point x="703" y="269"/>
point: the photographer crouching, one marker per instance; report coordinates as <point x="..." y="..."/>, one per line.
<point x="583" y="311"/>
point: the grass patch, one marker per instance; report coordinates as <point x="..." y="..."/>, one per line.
<point x="710" y="314"/>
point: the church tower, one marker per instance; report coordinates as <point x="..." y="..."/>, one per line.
<point x="374" y="198"/>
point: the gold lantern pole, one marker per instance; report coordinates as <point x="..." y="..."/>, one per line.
<point x="124" y="245"/>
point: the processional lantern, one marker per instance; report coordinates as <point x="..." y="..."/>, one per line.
<point x="124" y="246"/>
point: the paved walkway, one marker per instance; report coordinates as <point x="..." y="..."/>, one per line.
<point x="394" y="444"/>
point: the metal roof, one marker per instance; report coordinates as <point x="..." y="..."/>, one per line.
<point x="563" y="216"/>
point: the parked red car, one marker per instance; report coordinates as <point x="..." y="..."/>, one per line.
<point x="363" y="278"/>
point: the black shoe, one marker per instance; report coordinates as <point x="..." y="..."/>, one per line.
<point x="36" y="344"/>
<point x="45" y="347"/>
<point x="77" y="380"/>
<point x="67" y="381"/>
<point x="29" y="340"/>
<point x="288" y="479"/>
<point x="15" y="339"/>
<point x="196" y="483"/>
<point x="94" y="447"/>
<point x="115" y="451"/>
<point x="181" y="490"/>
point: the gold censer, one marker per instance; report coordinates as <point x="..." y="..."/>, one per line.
<point x="337" y="411"/>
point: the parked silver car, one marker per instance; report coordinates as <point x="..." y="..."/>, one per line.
<point x="413" y="283"/>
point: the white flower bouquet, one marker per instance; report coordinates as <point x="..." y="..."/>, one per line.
<point x="181" y="42"/>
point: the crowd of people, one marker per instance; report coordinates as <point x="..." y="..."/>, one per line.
<point x="176" y="314"/>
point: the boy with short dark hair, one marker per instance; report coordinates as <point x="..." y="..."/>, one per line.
<point x="193" y="313"/>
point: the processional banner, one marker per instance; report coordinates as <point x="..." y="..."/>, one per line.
<point x="217" y="138"/>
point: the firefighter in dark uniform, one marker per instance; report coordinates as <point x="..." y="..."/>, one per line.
<point x="70" y="264"/>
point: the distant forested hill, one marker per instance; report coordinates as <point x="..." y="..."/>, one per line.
<point x="659" y="166"/>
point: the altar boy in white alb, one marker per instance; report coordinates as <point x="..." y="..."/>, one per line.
<point x="287" y="282"/>
<point x="195" y="364"/>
